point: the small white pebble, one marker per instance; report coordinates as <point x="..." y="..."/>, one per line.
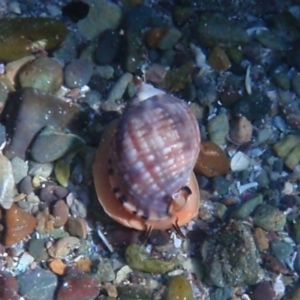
<point x="239" y="162"/>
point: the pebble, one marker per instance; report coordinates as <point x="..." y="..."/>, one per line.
<point x="103" y="15"/>
<point x="34" y="107"/>
<point x="8" y="287"/>
<point x="37" y="169"/>
<point x="116" y="93"/>
<point x="45" y="222"/>
<point x="246" y="208"/>
<point x="218" y="129"/>
<point x="163" y="38"/>
<point x="253" y="107"/>
<point x="269" y="218"/>
<point x="18" y="224"/>
<point x="20" y="169"/>
<point x="44" y="73"/>
<point x="282" y="251"/>
<point x="241" y="131"/>
<point x="218" y="30"/>
<point x="37" y="249"/>
<point x="37" y="284"/>
<point x="78" y="73"/>
<point x="77" y="227"/>
<point x="235" y="242"/>
<point x="79" y="287"/>
<point x="25" y="185"/>
<point x="239" y="162"/>
<point x="221" y="185"/>
<point x="294" y="294"/>
<point x="262" y="291"/>
<point x="106" y="72"/>
<point x="218" y="59"/>
<point x="179" y="288"/>
<point x="51" y="145"/>
<point x="25" y="261"/>
<point x="60" y="212"/>
<point x="212" y="160"/>
<point x="138" y="259"/>
<point x="63" y="247"/>
<point x="108" y="47"/>
<point x="261" y="240"/>
<point x="105" y="271"/>
<point x="7" y="183"/>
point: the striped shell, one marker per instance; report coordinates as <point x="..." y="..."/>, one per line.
<point x="153" y="153"/>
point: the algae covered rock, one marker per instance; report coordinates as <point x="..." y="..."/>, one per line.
<point x="137" y="258"/>
<point x="230" y="257"/>
<point x="22" y="36"/>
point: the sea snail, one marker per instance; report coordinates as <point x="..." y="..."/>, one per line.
<point x="143" y="170"/>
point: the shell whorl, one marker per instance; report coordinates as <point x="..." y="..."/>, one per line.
<point x="154" y="151"/>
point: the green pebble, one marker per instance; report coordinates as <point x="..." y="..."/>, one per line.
<point x="179" y="288"/>
<point x="138" y="259"/>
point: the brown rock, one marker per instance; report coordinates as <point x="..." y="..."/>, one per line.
<point x="77" y="227"/>
<point x="79" y="286"/>
<point x="60" y="213"/>
<point x="212" y="161"/>
<point x="8" y="287"/>
<point x="45" y="222"/>
<point x="18" y="224"/>
<point x="261" y="240"/>
<point x="218" y="59"/>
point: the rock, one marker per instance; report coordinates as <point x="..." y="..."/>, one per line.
<point x="261" y="240"/>
<point x="221" y="185"/>
<point x="218" y="30"/>
<point x="63" y="247"/>
<point x="218" y="129"/>
<point x="37" y="249"/>
<point x="179" y="288"/>
<point x="20" y="169"/>
<point x="108" y="46"/>
<point x="51" y="145"/>
<point x="44" y="73"/>
<point x="230" y="257"/>
<point x="60" y="212"/>
<point x="18" y="224"/>
<point x="37" y="284"/>
<point x="239" y="161"/>
<point x="105" y="271"/>
<point x="272" y="40"/>
<point x="263" y="291"/>
<point x="282" y="251"/>
<point x="79" y="287"/>
<point x="218" y="59"/>
<point x="8" y="287"/>
<point x="247" y="207"/>
<point x="23" y="36"/>
<point x="103" y="15"/>
<point x="269" y="218"/>
<point x="253" y="107"/>
<point x="138" y="259"/>
<point x="78" y="73"/>
<point x="42" y="170"/>
<point x="134" y="292"/>
<point x="25" y="185"/>
<point x="32" y="106"/>
<point x="163" y="38"/>
<point x="77" y="227"/>
<point x="241" y="131"/>
<point x="7" y="182"/>
<point x="212" y="161"/>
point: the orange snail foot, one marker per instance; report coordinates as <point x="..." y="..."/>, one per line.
<point x="184" y="207"/>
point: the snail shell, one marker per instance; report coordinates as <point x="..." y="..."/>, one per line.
<point x="143" y="170"/>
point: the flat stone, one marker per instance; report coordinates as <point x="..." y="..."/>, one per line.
<point x="37" y="284"/>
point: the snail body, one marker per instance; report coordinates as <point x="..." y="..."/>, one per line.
<point x="143" y="171"/>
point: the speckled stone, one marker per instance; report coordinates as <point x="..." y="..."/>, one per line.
<point x="37" y="284"/>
